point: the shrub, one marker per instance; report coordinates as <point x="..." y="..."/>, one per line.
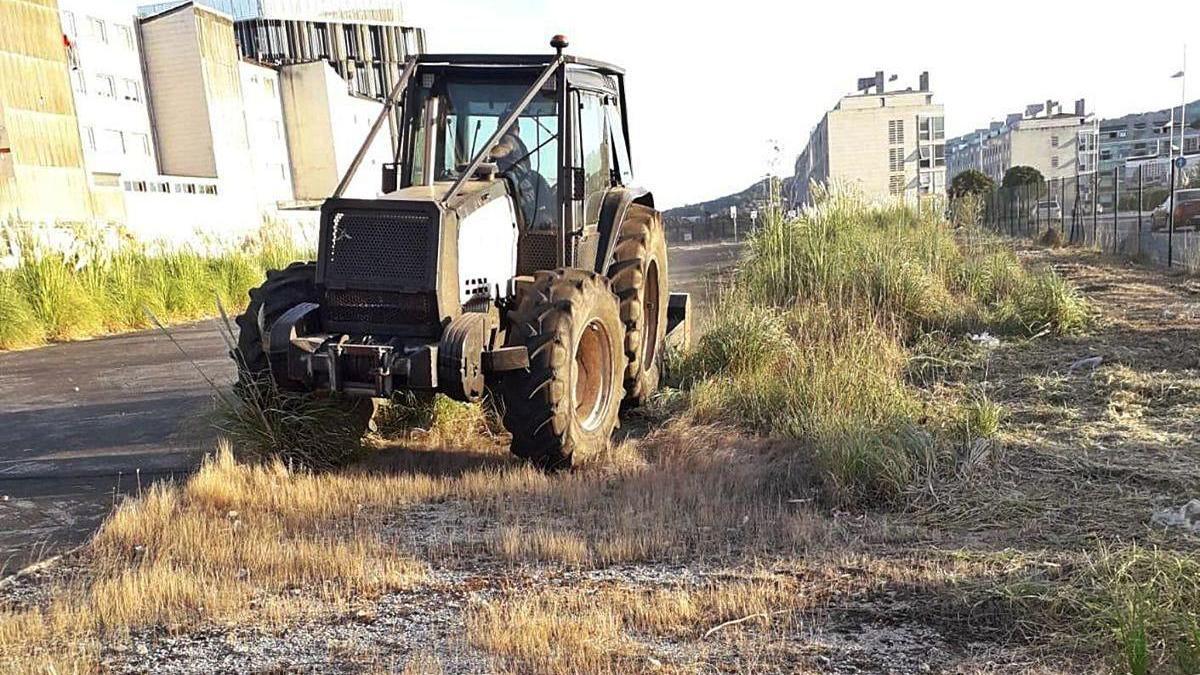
<point x="811" y="341"/>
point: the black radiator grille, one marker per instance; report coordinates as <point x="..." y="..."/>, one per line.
<point x="377" y="308"/>
<point x="382" y="247"/>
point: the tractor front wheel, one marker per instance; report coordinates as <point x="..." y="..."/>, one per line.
<point x="565" y="404"/>
<point x="261" y="376"/>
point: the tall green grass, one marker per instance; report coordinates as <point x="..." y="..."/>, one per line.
<point x="813" y="339"/>
<point x="51" y="295"/>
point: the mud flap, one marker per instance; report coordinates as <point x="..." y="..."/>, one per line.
<point x="679" y="322"/>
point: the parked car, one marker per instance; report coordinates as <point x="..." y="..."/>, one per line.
<point x="1187" y="210"/>
<point x="1048" y="210"/>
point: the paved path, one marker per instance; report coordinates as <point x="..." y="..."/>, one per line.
<point x="79" y="421"/>
<point x="83" y="423"/>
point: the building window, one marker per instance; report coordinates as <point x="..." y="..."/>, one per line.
<point x="106" y="86"/>
<point x="939" y="155"/>
<point x="930" y="129"/>
<point x="278" y="129"/>
<point x="895" y="132"/>
<point x="141" y="143"/>
<point x="1054" y="162"/>
<point x="68" y="20"/>
<point x="89" y="137"/>
<point x="896" y="184"/>
<point x="270" y="86"/>
<point x="78" y="82"/>
<point x="132" y="91"/>
<point x="97" y="29"/>
<point x="114" y="141"/>
<point x="895" y="159"/>
<point x="1054" y="141"/>
<point x="126" y="34"/>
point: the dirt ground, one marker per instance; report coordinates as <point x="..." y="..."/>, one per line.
<point x="664" y="556"/>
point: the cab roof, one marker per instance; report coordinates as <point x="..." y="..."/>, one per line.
<point x="526" y="60"/>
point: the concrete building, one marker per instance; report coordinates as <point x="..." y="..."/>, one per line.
<point x="1057" y="144"/>
<point x="325" y="128"/>
<point x="42" y="174"/>
<point x="888" y="143"/>
<point x="364" y="41"/>
<point x="160" y="125"/>
<point x="110" y="98"/>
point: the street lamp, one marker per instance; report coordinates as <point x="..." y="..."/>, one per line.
<point x="1182" y="77"/>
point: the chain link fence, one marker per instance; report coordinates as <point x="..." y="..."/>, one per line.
<point x="1149" y="212"/>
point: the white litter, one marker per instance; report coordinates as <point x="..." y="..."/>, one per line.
<point x="1186" y="516"/>
<point x="986" y="339"/>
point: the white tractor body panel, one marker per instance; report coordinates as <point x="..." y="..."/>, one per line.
<point x="487" y="250"/>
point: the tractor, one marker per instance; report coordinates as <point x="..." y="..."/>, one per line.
<point x="508" y="252"/>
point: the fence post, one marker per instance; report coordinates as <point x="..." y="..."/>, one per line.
<point x="1171" y="219"/>
<point x="1116" y="203"/>
<point x="1062" y="205"/>
<point x="1096" y="207"/>
<point x="1139" y="207"/>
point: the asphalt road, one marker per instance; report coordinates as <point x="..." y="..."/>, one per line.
<point x="84" y="423"/>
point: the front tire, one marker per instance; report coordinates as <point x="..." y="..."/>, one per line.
<point x="566" y="403"/>
<point x="639" y="278"/>
<point x="261" y="376"/>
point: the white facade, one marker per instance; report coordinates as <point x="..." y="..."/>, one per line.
<point x="325" y="128"/>
<point x="267" y="136"/>
<point x="110" y="97"/>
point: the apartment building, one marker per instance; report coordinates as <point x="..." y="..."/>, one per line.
<point x="888" y="143"/>
<point x="1146" y="141"/>
<point x="42" y="174"/>
<point x="1057" y="144"/>
<point x="160" y="124"/>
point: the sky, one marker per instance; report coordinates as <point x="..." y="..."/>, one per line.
<point x="722" y="93"/>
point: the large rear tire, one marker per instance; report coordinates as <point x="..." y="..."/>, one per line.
<point x="639" y="278"/>
<point x="261" y="376"/>
<point x="566" y="403"/>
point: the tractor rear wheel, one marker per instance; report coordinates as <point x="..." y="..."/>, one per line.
<point x="261" y="376"/>
<point x="565" y="404"/>
<point x="639" y="278"/>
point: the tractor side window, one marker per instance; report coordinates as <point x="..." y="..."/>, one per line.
<point x="618" y="141"/>
<point x="595" y="153"/>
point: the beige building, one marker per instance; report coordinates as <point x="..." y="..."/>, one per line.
<point x="1059" y="145"/>
<point x="42" y="175"/>
<point x="887" y="143"/>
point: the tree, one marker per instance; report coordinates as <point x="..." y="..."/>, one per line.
<point x="1021" y="175"/>
<point x="971" y="182"/>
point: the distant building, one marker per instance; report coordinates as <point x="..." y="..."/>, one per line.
<point x="1057" y="144"/>
<point x="888" y="143"/>
<point x="1147" y="140"/>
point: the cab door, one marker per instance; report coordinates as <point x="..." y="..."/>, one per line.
<point x="591" y="170"/>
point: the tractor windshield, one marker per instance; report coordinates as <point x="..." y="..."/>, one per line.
<point x="465" y="113"/>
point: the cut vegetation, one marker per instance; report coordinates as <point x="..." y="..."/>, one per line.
<point x="898" y="445"/>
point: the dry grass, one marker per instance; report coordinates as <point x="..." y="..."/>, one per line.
<point x="611" y="629"/>
<point x="229" y="546"/>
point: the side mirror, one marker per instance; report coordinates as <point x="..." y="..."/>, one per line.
<point x="390" y="173"/>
